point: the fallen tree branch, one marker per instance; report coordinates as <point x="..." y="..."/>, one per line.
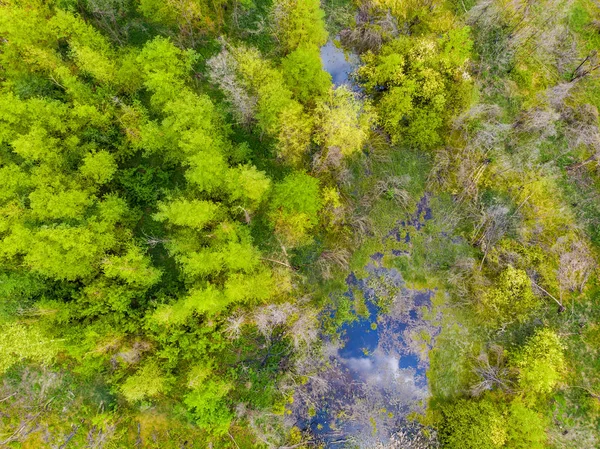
<point x="545" y="291"/>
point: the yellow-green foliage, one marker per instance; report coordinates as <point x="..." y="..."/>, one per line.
<point x="424" y="83"/>
<point x="486" y="423"/>
<point x="295" y="206"/>
<point x="20" y="342"/>
<point x="473" y="425"/>
<point x="189" y="17"/>
<point x="278" y="113"/>
<point x="541" y="363"/>
<point x="343" y="122"/>
<point x="511" y="298"/>
<point x="526" y="427"/>
<point x="134" y="268"/>
<point x="304" y="75"/>
<point x="154" y="254"/>
<point x="147" y="382"/>
<point x="299" y="22"/>
<point x="428" y="15"/>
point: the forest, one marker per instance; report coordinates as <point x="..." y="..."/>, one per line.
<point x="300" y="224"/>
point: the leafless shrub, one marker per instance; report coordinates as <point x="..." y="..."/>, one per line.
<point x="582" y="127"/>
<point x="587" y="66"/>
<point x="371" y="31"/>
<point x="108" y="15"/>
<point x="576" y="263"/>
<point x="438" y="176"/>
<point x="481" y="111"/>
<point x="339" y="257"/>
<point x="392" y="187"/>
<point x="152" y="241"/>
<point x="298" y="323"/>
<point x="484" y="133"/>
<point x="222" y="71"/>
<point x="97" y="438"/>
<point x="492" y="371"/>
<point x="267" y="318"/>
<point x="233" y="325"/>
<point x="557" y="94"/>
<point x="266" y="427"/>
<point x="579" y="434"/>
<point x="565" y="51"/>
<point x="132" y="355"/>
<point x="487" y="17"/>
<point x="494" y="223"/>
<point x="490" y="135"/>
<point x="344" y="177"/>
<point x="484" y="13"/>
<point x="328" y="160"/>
<point x="28" y="400"/>
<point x="304" y="330"/>
<point x="361" y="225"/>
<point x="461" y="277"/>
<point x="538" y="120"/>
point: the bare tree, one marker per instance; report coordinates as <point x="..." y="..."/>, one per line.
<point x="222" y="71"/>
<point x="588" y="66"/>
<point x="234" y="324"/>
<point x="338" y="257"/>
<point x="109" y="15"/>
<point x="492" y="371"/>
<point x="538" y="120"/>
<point x="495" y="221"/>
<point x="372" y="29"/>
<point x="576" y="263"/>
<point x="582" y="130"/>
<point x="328" y="160"/>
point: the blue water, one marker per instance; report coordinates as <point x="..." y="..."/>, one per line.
<point x="367" y="362"/>
<point x="338" y="64"/>
<point x="409" y="361"/>
<point x="374" y="363"/>
<point x="360" y="340"/>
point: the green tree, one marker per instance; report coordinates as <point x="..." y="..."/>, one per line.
<point x="196" y="214"/>
<point x="191" y="18"/>
<point x="147" y="382"/>
<point x="98" y="167"/>
<point x="526" y="428"/>
<point x="20" y="342"/>
<point x="278" y="114"/>
<point x="207" y="400"/>
<point x="343" y="122"/>
<point x="471" y="424"/>
<point x="295" y="204"/>
<point x="304" y="75"/>
<point x="420" y="83"/>
<point x="299" y="22"/>
<point x="541" y="363"/>
<point x="164" y="67"/>
<point x="511" y="300"/>
<point x="133" y="268"/>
